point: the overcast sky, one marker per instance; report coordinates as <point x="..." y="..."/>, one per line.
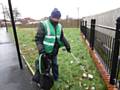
<point x="73" y="8"/>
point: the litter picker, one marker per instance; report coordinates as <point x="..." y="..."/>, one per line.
<point x="76" y="59"/>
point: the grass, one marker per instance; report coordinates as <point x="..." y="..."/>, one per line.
<point x="70" y="72"/>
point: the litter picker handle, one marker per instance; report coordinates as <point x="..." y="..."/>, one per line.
<point x="40" y="62"/>
<point x="74" y="57"/>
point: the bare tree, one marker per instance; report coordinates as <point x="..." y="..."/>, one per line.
<point x="16" y="14"/>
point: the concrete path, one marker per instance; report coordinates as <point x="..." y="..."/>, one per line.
<point x="11" y="77"/>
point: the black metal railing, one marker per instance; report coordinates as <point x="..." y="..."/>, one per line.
<point x="103" y="45"/>
<point x="106" y="46"/>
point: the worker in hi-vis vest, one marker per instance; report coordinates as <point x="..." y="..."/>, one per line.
<point x="49" y="38"/>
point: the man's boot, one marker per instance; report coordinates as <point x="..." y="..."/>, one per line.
<point x="36" y="77"/>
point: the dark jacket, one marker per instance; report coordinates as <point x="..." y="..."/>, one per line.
<point x="39" y="37"/>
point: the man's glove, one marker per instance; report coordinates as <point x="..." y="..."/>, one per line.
<point x="41" y="51"/>
<point x="68" y="49"/>
<point x="47" y="56"/>
<point x="44" y="55"/>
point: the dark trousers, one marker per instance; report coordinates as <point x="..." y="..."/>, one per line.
<point x="55" y="68"/>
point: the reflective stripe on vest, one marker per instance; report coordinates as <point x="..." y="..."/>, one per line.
<point x="47" y="43"/>
<point x="50" y="36"/>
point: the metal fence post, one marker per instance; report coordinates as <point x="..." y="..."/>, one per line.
<point x="81" y="25"/>
<point x="85" y="23"/>
<point x="115" y="53"/>
<point x="85" y="29"/>
<point x="92" y="33"/>
<point x="15" y="34"/>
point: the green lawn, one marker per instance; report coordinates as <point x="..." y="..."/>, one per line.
<point x="71" y="72"/>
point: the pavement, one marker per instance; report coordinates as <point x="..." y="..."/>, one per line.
<point x="11" y="76"/>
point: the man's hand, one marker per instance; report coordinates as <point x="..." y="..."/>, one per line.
<point x="44" y="55"/>
<point x="68" y="49"/>
<point x="47" y="56"/>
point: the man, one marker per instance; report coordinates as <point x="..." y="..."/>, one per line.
<point x="49" y="38"/>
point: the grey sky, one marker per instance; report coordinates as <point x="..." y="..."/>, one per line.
<point x="40" y="8"/>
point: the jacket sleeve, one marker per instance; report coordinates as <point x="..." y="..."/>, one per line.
<point x="39" y="37"/>
<point x="65" y="42"/>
